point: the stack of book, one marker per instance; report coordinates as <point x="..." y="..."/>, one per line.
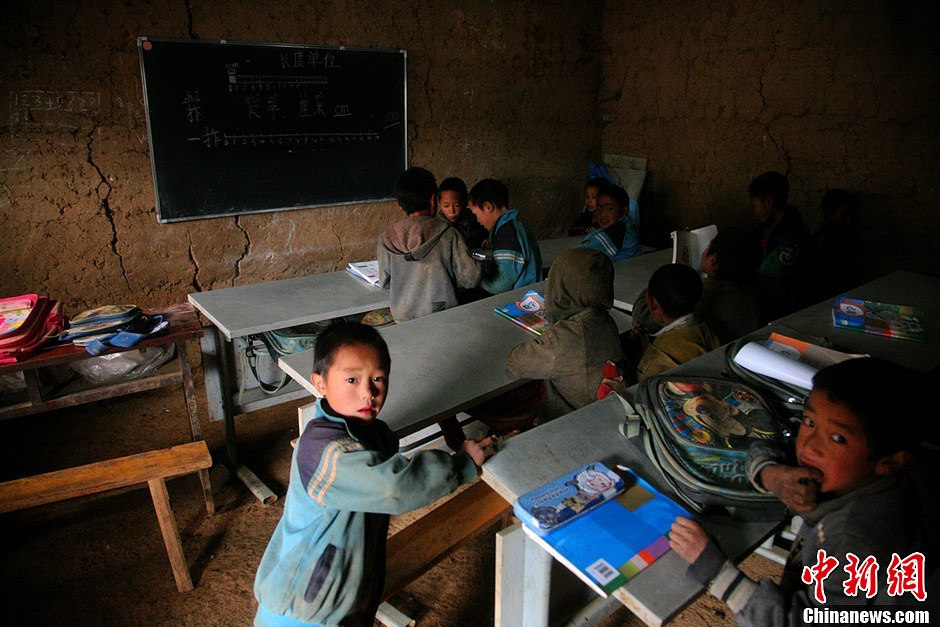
<point x="897" y="321"/>
<point x="603" y="525"/>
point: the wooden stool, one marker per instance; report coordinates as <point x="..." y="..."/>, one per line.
<point x="152" y="468"/>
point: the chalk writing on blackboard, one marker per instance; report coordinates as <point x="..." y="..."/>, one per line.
<point x="244" y="127"/>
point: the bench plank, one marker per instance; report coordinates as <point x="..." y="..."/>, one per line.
<point x="102" y="476"/>
<point x="421" y="545"/>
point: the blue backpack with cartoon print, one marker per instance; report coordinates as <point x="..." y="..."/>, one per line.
<point x="698" y="430"/>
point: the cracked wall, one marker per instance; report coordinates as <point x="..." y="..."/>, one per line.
<point x="494" y="89"/>
<point x="835" y="94"/>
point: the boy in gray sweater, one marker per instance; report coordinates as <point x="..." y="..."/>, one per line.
<point x="860" y="508"/>
<point x="422" y="260"/>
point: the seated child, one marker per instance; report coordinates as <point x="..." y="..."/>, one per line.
<point x="616" y="234"/>
<point x="422" y="260"/>
<point x="836" y="268"/>
<point x="584" y="223"/>
<point x="847" y="479"/>
<point x="671" y="295"/>
<point x="516" y="258"/>
<point x="571" y="354"/>
<point x="325" y="563"/>
<point x="782" y="278"/>
<point x="729" y="299"/>
<point x="452" y="202"/>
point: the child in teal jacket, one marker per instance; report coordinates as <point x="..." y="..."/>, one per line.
<point x="517" y="260"/>
<point x="325" y="563"/>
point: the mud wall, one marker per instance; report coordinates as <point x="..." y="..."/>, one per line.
<point x="494" y="89"/>
<point x="834" y="94"/>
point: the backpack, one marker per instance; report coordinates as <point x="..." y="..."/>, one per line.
<point x="26" y="323"/>
<point x="256" y="355"/>
<point x="698" y="430"/>
<point x="262" y="350"/>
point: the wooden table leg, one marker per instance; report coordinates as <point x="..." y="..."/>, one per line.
<point x="171" y="534"/>
<point x="189" y="397"/>
<point x="33" y="386"/>
<point x="523" y="579"/>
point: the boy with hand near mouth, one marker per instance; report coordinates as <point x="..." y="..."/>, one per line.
<point x="847" y="480"/>
<point x="325" y="563"/>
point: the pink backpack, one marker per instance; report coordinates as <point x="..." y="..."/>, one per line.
<point x="26" y="322"/>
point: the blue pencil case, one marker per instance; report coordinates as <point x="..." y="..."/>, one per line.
<point x="561" y="500"/>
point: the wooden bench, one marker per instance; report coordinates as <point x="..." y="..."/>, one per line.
<point x="184" y="326"/>
<point x="421" y="545"/>
<point x="152" y="468"/>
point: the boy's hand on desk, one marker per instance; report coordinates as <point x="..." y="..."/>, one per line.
<point x="479" y="450"/>
<point x="796" y="486"/>
<point x="687" y="538"/>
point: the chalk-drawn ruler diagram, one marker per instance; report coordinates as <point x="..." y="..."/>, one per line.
<point x="267" y="81"/>
<point x="53" y="108"/>
<point x="273" y="98"/>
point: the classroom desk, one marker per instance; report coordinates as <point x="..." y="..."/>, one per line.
<point x="589" y="434"/>
<point x="250" y="309"/>
<point x="551" y="248"/>
<point x="244" y="310"/>
<point x="632" y="275"/>
<point x="239" y="311"/>
<point x="899" y="288"/>
<point x="442" y="364"/>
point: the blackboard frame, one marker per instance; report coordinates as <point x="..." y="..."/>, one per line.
<point x="344" y="154"/>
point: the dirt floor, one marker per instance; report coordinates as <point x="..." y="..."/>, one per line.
<point x="101" y="559"/>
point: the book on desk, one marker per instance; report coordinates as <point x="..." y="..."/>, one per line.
<point x="896" y="321"/>
<point x="619" y="530"/>
<point x="689" y="244"/>
<point x="528" y="312"/>
<point x="368" y="271"/>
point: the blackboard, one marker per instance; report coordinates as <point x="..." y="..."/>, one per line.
<point x="250" y="127"/>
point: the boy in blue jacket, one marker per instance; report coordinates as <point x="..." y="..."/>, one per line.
<point x="616" y="235"/>
<point x="325" y="563"/>
<point x="516" y="257"/>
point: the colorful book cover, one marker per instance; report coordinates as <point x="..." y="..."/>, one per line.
<point x="610" y="544"/>
<point x="528" y="313"/>
<point x="557" y="502"/>
<point x="897" y="321"/>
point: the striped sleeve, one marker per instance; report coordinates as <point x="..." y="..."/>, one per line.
<point x="601" y="242"/>
<point x="325" y="475"/>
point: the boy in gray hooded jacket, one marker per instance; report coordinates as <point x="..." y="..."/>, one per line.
<point x="422" y="260"/>
<point x="570" y="355"/>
